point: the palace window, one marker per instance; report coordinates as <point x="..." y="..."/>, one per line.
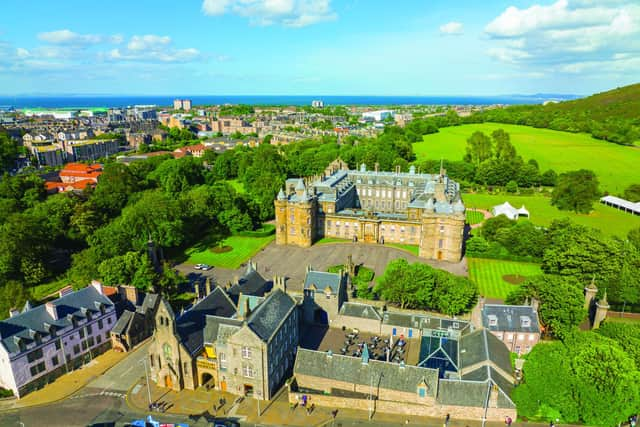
<point x="440" y="244"/>
<point x="442" y="228"/>
<point x="246" y="352"/>
<point x="248" y="372"/>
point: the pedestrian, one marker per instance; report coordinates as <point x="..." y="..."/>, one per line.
<point x="334" y="413"/>
<point x="508" y="421"/>
<point x="551" y="424"/>
<point x="633" y="420"/>
<point x="446" y="420"/>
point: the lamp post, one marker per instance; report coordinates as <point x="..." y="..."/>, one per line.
<point x="146" y="374"/>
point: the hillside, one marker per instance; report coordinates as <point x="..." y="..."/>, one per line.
<point x="615" y="165"/>
<point x="612" y="116"/>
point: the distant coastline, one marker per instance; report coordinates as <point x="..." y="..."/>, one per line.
<point x="81" y="101"/>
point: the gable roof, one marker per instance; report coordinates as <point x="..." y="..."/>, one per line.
<point x="482" y="346"/>
<point x="215" y="324"/>
<point x="251" y="283"/>
<point x="323" y="280"/>
<point x="268" y="316"/>
<point x="37" y="319"/>
<point x="391" y="376"/>
<point x="509" y="318"/>
<point x="190" y="326"/>
<point x="355" y="309"/>
<point x="123" y="322"/>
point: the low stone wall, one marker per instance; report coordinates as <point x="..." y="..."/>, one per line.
<point x="404" y="408"/>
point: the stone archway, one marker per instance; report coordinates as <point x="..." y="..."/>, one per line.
<point x="206" y="380"/>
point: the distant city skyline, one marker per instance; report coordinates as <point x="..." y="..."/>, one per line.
<point x="323" y="47"/>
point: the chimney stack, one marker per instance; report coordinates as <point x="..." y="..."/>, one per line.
<point x="207" y="285"/>
<point x="51" y="310"/>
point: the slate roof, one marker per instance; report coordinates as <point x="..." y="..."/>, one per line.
<point x="323" y="280"/>
<point x="214" y="325"/>
<point x="191" y="324"/>
<point x="37" y="318"/>
<point x="123" y="323"/>
<point x="267" y="318"/>
<point x="509" y="318"/>
<point x="251" y="283"/>
<point x="364" y="311"/>
<point x="252" y="300"/>
<point x="149" y="303"/>
<point x="402" y="319"/>
<point x="472" y="389"/>
<point x="483" y="346"/>
<point x="352" y="370"/>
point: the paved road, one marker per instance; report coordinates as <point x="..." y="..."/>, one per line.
<point x="87" y="411"/>
<point x="121" y="377"/>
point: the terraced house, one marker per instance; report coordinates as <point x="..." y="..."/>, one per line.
<point x="374" y="207"/>
<point x="42" y="343"/>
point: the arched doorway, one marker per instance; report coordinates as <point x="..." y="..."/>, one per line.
<point x="168" y="382"/>
<point x="439" y="255"/>
<point x="207" y="380"/>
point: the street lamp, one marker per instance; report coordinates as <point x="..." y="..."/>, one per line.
<point x="146" y="374"/>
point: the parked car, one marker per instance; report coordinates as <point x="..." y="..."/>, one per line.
<point x="198" y="266"/>
<point x="205" y="267"/>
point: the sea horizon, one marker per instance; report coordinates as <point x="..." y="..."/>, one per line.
<point x="114" y="101"/>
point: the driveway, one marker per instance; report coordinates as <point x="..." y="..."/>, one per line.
<point x="291" y="261"/>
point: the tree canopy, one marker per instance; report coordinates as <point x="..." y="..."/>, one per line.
<point x="576" y="191"/>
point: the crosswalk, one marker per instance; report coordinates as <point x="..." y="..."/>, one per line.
<point x="101" y="393"/>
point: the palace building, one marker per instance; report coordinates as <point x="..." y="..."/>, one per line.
<point x="374" y="207"/>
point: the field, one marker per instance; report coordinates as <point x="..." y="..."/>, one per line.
<point x="615" y="165"/>
<point x="611" y="221"/>
<point x="489" y="273"/>
<point x="474" y="217"/>
<point x="241" y="250"/>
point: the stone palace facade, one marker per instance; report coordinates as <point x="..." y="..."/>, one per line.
<point x="374" y="207"/>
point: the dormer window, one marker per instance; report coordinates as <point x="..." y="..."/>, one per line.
<point x="525" y="321"/>
<point x="493" y="320"/>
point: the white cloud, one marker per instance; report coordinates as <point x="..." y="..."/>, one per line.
<point x="567" y="36"/>
<point x="451" y="28"/>
<point x="152" y="48"/>
<point x="290" y="13"/>
<point x="149" y="41"/>
<point x="68" y="37"/>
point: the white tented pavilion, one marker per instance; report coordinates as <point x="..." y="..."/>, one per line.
<point x="509" y="211"/>
<point x="622" y="204"/>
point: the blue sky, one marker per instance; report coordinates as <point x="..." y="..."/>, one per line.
<point x="323" y="47"/>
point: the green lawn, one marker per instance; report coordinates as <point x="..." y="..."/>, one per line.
<point x="615" y="165"/>
<point x="611" y="221"/>
<point x="414" y="249"/>
<point x="243" y="248"/>
<point x="326" y="240"/>
<point x="474" y="217"/>
<point x="40" y="292"/>
<point x="488" y="274"/>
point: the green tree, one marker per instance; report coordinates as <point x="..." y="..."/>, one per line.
<point x="511" y="187"/>
<point x="397" y="285"/>
<point x="634" y="237"/>
<point x="479" y="148"/>
<point x="561" y="301"/>
<point x="632" y="193"/>
<point x="576" y="191"/>
<point x="8" y="152"/>
<point x="132" y="268"/>
<point x="549" y="178"/>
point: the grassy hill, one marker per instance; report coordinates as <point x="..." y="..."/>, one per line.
<point x="612" y="116"/>
<point x="615" y="165"/>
